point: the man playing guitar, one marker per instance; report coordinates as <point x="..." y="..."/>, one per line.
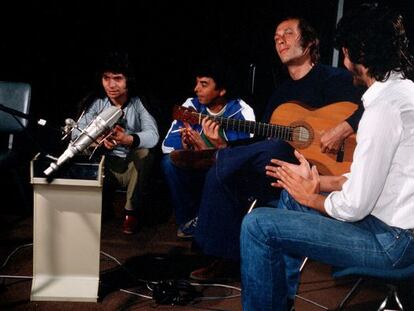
<point x="239" y="172"/>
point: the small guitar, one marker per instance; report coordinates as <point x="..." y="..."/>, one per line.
<point x="299" y="125"/>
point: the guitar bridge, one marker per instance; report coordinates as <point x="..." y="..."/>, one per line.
<point x="340" y="154"/>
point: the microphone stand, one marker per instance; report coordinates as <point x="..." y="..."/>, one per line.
<point x="16" y="113"/>
<point x="23" y="115"/>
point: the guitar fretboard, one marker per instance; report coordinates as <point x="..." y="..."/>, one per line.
<point x="252" y="127"/>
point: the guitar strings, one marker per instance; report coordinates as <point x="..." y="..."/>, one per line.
<point x="284" y="132"/>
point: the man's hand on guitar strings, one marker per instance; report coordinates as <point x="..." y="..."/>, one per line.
<point x="183" y="131"/>
<point x="211" y="129"/>
<point x="191" y="139"/>
<point x="333" y="139"/>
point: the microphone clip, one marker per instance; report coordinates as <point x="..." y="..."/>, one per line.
<point x="70" y="125"/>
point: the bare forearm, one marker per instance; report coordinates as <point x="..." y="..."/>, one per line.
<point x="316" y="202"/>
<point x="331" y="183"/>
<point x="332" y="140"/>
<point x="344" y="130"/>
<point x="327" y="184"/>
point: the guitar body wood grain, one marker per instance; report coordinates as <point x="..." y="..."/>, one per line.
<point x="320" y="119"/>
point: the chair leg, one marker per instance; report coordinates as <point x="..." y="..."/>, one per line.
<point x="305" y="260"/>
<point x="252" y="205"/>
<point x="350" y="293"/>
<point x="312" y="302"/>
<point x="397" y="299"/>
<point x="392" y="295"/>
<point x="344" y="300"/>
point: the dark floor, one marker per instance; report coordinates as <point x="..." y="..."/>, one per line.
<point x="152" y="254"/>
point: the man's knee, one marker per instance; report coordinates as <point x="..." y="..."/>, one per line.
<point x="167" y="165"/>
<point x="277" y="148"/>
<point x="140" y="153"/>
<point x="166" y="162"/>
<point x="286" y="201"/>
<point x="248" y="229"/>
<point x="251" y="222"/>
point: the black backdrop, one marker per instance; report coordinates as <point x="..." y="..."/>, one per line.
<point x="55" y="47"/>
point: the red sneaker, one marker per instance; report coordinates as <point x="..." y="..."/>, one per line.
<point x="130" y="224"/>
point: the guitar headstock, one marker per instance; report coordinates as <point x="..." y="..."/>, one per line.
<point x="185" y="114"/>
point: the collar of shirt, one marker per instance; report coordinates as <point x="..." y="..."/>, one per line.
<point x="373" y="91"/>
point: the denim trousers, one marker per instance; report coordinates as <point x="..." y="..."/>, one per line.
<point x="237" y="177"/>
<point x="185" y="187"/>
<point x="270" y="237"/>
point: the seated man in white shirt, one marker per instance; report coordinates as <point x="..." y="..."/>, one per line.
<point x="366" y="220"/>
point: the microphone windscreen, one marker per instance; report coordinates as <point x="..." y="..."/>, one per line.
<point x="111" y="115"/>
<point x="104" y="121"/>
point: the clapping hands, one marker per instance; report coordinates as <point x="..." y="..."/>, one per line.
<point x="300" y="180"/>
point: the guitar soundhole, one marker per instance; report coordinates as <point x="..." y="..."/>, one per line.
<point x="302" y="135"/>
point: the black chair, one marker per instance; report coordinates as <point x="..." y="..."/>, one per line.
<point x="14" y="107"/>
<point x="396" y="280"/>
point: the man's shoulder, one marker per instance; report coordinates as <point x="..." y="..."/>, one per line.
<point x="330" y="72"/>
<point x="237" y="104"/>
<point x="192" y="102"/>
<point x="140" y="101"/>
<point x="136" y="98"/>
<point x="97" y="104"/>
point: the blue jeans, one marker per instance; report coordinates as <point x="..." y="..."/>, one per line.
<point x="270" y="235"/>
<point x="185" y="189"/>
<point x="237" y="176"/>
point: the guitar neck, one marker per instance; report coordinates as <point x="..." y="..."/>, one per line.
<point x="257" y="128"/>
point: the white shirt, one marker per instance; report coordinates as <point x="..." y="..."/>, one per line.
<point x="381" y="179"/>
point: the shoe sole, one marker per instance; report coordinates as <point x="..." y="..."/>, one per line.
<point x="184" y="237"/>
<point x="128" y="232"/>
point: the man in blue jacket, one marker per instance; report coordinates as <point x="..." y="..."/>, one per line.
<point x="213" y="98"/>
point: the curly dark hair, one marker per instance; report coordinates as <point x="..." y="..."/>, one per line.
<point x="114" y="62"/>
<point x="118" y="62"/>
<point x="309" y="37"/>
<point x="223" y="73"/>
<point x="375" y="38"/>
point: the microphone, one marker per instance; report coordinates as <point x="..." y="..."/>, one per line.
<point x="103" y="122"/>
<point x="69" y="125"/>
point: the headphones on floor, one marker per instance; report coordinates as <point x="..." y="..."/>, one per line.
<point x="174" y="292"/>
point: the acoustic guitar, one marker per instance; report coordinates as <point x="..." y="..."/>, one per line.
<point x="297" y="124"/>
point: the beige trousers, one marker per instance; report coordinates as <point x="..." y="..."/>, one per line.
<point x="131" y="173"/>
